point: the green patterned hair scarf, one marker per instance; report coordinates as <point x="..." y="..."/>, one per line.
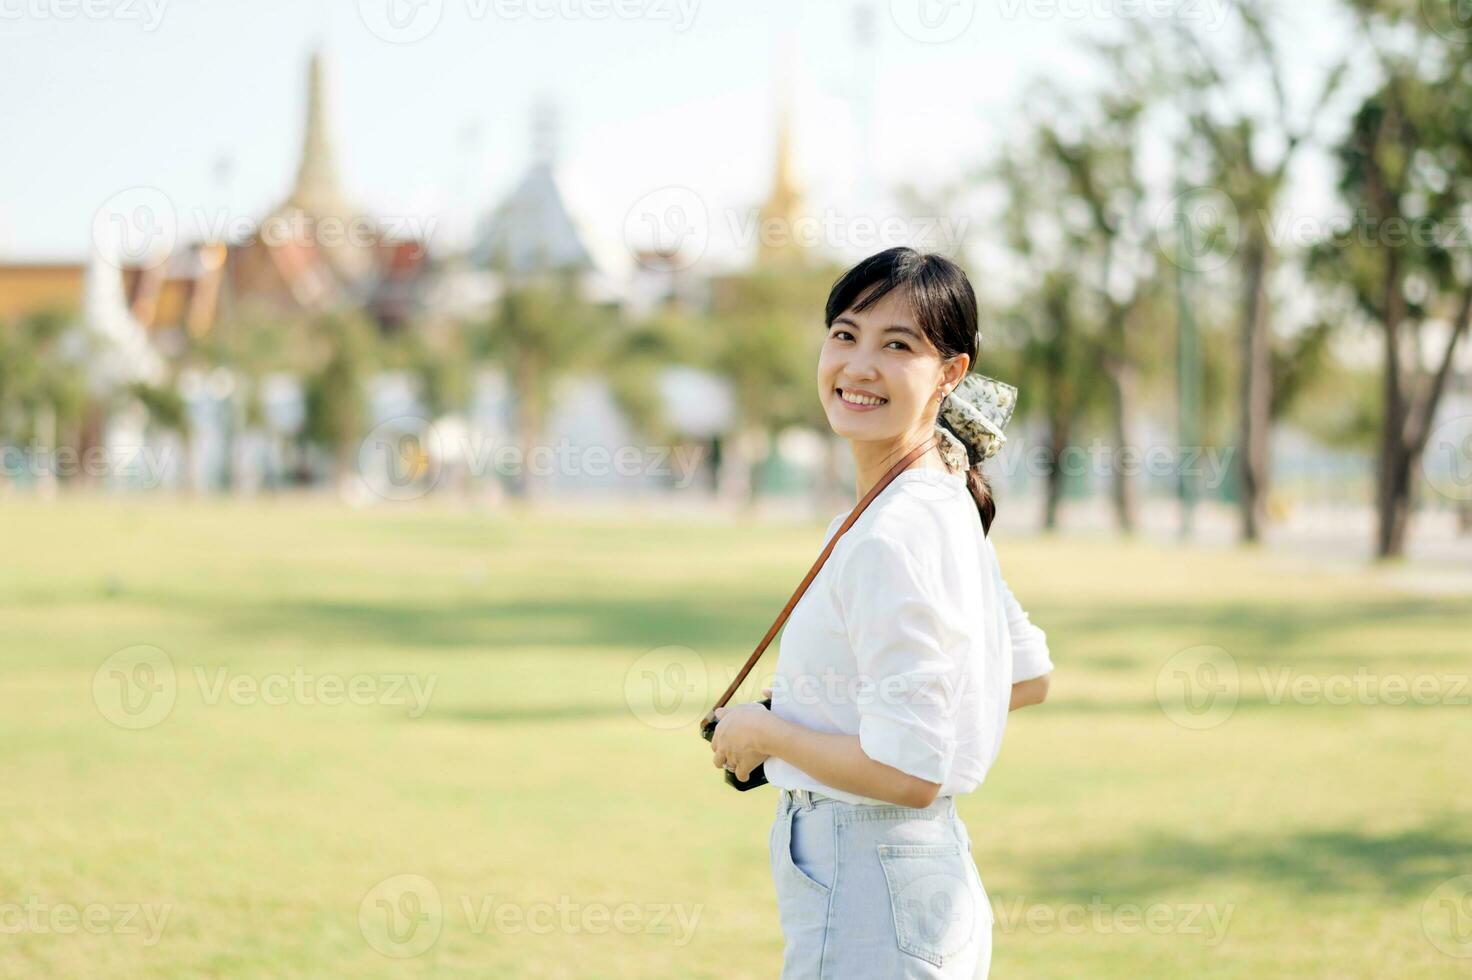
<point x="969" y="426"/>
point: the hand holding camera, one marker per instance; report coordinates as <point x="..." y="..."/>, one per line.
<point x="736" y="737"/>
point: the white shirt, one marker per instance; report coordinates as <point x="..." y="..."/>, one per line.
<point x="909" y="638"/>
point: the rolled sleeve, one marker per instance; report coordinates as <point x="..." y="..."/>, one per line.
<point x="1030" y="658"/>
<point x="900" y="625"/>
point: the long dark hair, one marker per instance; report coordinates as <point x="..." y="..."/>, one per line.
<point x="944" y="306"/>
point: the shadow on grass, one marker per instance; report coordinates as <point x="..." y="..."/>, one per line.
<point x="714" y="619"/>
<point x="487" y="626"/>
<point x="542" y="713"/>
<point x="1444" y="698"/>
<point x="1303" y="862"/>
<point x="1261" y="627"/>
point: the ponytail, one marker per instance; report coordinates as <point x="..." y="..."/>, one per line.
<point x="981" y="492"/>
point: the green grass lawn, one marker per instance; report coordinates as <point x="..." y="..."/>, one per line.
<point x="552" y="812"/>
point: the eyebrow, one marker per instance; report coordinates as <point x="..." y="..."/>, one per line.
<point x="892" y="328"/>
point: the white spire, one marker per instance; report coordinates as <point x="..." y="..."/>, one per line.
<point x="123" y="355"/>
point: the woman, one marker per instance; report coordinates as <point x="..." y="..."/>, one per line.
<point x="897" y="668"/>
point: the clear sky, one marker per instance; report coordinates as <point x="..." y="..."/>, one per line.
<point x="204" y="101"/>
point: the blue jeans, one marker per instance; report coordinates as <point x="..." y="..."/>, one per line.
<point x="877" y="891"/>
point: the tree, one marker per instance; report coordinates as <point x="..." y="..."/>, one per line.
<point x="1406" y="171"/>
<point x="539" y="331"/>
<point x="1248" y="155"/>
<point x="1058" y="338"/>
<point x="764" y="342"/>
<point x="336" y="392"/>
<point x="250" y="345"/>
<point x="166" y="410"/>
<point x="1100" y="152"/>
<point x="43" y="384"/>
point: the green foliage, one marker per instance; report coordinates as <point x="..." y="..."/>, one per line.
<point x="336" y="396"/>
<point x="1340" y="407"/>
<point x="765" y="342"/>
<point x="164" y="404"/>
<point x="439" y="364"/>
<point x="637" y="353"/>
<point x="39" y="372"/>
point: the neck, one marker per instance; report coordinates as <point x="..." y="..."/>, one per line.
<point x="873" y="459"/>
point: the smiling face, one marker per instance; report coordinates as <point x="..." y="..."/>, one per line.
<point x="879" y="376"/>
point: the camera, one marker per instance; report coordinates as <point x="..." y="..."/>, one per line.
<point x="757" y="777"/>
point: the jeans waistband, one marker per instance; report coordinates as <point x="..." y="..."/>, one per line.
<point x="807" y="799"/>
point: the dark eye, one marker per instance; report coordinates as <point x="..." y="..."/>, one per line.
<point x="903" y="345"/>
<point x="842" y="333"/>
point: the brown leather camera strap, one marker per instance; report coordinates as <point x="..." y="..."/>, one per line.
<point x="874" y="491"/>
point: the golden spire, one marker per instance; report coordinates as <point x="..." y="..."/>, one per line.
<point x="317" y="191"/>
<point x="316" y="212"/>
<point x="778" y="230"/>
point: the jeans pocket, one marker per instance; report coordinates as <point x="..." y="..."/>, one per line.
<point x="805" y="847"/>
<point x="931" y="898"/>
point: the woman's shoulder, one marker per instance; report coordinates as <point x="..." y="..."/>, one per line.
<point x="896" y="531"/>
<point x="923" y="514"/>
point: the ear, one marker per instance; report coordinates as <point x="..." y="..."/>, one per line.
<point x="955" y="369"/>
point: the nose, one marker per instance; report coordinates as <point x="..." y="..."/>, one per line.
<point x="858" y="367"/>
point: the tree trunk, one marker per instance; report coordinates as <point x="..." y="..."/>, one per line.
<point x="752" y="443"/>
<point x="1392" y="474"/>
<point x="528" y="423"/>
<point x="46" y="443"/>
<point x="1394" y="506"/>
<point x="1407" y="426"/>
<point x="91" y="435"/>
<point x="1058" y="436"/>
<point x="343" y="460"/>
<point x="1122" y="387"/>
<point x="1256" y="390"/>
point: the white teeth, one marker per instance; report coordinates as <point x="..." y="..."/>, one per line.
<point x="860" y="399"/>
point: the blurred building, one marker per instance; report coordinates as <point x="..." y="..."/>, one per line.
<point x="780" y="217"/>
<point x="314" y="252"/>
